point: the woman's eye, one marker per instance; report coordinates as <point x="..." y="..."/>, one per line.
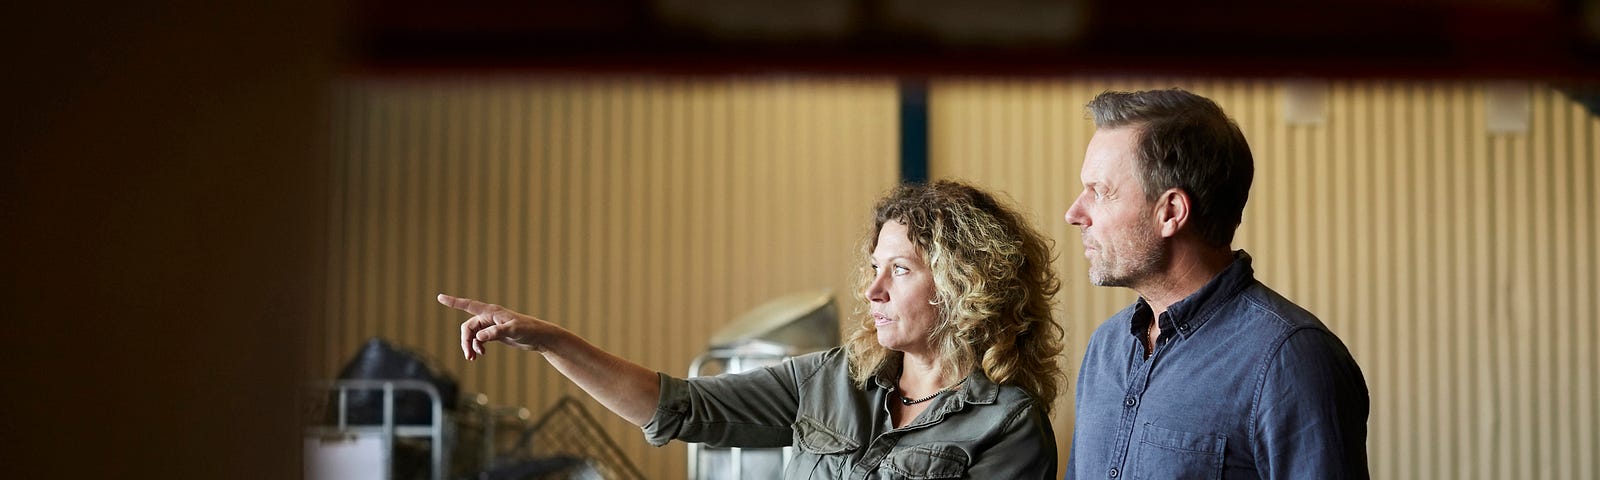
<point x="899" y="270"/>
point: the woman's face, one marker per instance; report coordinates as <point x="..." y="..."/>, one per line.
<point x="900" y="292"/>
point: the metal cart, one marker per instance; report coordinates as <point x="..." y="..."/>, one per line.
<point x="342" y="448"/>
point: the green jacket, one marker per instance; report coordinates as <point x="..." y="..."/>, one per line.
<point x="980" y="430"/>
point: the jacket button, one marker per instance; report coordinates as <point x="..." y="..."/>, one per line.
<point x="1115" y="473"/>
<point x="1130" y="401"/>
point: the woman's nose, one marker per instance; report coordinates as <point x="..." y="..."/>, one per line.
<point x="875" y="291"/>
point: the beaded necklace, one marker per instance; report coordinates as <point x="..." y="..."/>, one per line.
<point x="910" y="401"/>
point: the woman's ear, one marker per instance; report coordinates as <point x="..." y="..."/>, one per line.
<point x="1172" y="211"/>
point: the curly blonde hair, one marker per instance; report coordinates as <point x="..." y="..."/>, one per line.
<point x="993" y="281"/>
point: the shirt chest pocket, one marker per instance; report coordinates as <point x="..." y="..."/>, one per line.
<point x="1171" y="454"/>
<point x="823" y="452"/>
<point x="929" y="461"/>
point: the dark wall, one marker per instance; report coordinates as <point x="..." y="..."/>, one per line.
<point x="163" y="208"/>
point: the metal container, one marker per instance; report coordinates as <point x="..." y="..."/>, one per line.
<point x="791" y="325"/>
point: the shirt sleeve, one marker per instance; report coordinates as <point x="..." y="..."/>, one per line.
<point x="1311" y="419"/>
<point x="1026" y="450"/>
<point x="751" y="409"/>
<point x="1077" y="404"/>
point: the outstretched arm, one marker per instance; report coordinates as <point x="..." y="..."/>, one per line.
<point x="627" y="389"/>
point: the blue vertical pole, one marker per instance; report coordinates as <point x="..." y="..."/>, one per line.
<point x="913" y="131"/>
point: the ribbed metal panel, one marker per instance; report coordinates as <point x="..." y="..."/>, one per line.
<point x="1458" y="265"/>
<point x="642" y="214"/>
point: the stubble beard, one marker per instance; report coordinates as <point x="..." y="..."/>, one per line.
<point x="1141" y="257"/>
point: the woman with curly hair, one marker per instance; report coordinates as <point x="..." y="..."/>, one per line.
<point x="950" y="372"/>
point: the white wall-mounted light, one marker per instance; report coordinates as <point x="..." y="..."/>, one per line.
<point x="1505" y="106"/>
<point x="1305" y="102"/>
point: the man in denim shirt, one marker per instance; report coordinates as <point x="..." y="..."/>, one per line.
<point x="1210" y="374"/>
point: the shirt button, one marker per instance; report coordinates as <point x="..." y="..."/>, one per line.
<point x="1114" y="473"/>
<point x="1184" y="327"/>
<point x="1130" y="401"/>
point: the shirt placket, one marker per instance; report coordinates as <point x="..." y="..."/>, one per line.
<point x="871" y="459"/>
<point x="873" y="453"/>
<point x="1138" y="374"/>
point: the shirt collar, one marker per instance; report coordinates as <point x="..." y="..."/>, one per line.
<point x="977" y="388"/>
<point x="1189" y="315"/>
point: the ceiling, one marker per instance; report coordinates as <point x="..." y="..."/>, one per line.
<point x="1326" y="38"/>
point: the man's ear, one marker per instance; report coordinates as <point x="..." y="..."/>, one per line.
<point x="1172" y="211"/>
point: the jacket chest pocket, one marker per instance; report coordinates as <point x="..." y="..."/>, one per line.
<point x="1171" y="454"/>
<point x="822" y="451"/>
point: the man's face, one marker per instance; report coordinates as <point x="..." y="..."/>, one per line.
<point x="1121" y="239"/>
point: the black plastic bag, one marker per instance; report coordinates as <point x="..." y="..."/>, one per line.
<point x="379" y="360"/>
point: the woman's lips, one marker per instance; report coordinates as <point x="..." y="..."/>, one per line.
<point x="880" y="319"/>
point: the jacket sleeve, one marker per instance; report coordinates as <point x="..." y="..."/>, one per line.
<point x="751" y="409"/>
<point x="1311" y="415"/>
<point x="1026" y="450"/>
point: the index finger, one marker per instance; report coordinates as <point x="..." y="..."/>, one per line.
<point x="464" y="304"/>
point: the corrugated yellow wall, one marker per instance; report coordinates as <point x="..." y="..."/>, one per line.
<point x="643" y="214"/>
<point x="1457" y="264"/>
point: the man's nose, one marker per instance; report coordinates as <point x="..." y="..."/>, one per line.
<point x="1075" y="215"/>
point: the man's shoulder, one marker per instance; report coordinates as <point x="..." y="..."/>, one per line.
<point x="1283" y="327"/>
<point x="1267" y="308"/>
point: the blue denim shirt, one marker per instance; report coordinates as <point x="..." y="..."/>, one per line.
<point x="1242" y="384"/>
